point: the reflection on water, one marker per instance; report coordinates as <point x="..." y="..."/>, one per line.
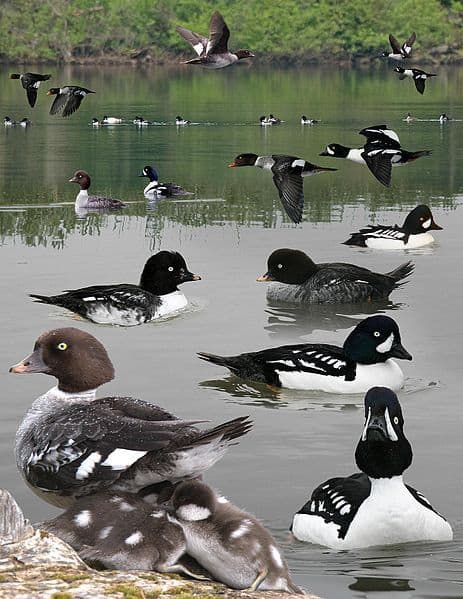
<point x="368" y="583"/>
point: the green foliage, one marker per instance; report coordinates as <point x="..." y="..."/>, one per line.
<point x="71" y="29"/>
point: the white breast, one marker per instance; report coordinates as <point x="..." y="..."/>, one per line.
<point x="171" y="302"/>
<point x="414" y="241"/>
<point x="385" y="374"/>
<point x="82" y="199"/>
<point x="355" y="155"/>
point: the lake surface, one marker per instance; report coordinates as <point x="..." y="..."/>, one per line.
<point x="225" y="231"/>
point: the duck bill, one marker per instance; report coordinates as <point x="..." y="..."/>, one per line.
<point x="265" y="278"/>
<point x="233" y="165"/>
<point x="32" y="364"/>
<point x="324" y="153"/>
<point x="73" y="180"/>
<point x="399" y="351"/>
<point x="435" y="227"/>
<point x="189" y="276"/>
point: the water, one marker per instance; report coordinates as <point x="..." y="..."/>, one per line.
<point x="226" y="230"/>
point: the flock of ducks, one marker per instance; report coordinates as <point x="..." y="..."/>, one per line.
<point x="128" y="474"/>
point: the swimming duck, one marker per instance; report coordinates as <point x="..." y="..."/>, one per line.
<point x="111" y="120"/>
<point x="141" y="122"/>
<point x="443" y="118"/>
<point x="83" y="200"/>
<point x="8" y="122"/>
<point x="181" y="121"/>
<point x="380" y="153"/>
<point x="25" y="122"/>
<point x="419" y="77"/>
<point x="229" y="543"/>
<point x="264" y="121"/>
<point x="306" y="121"/>
<point x="213" y="53"/>
<point x="294" y="277"/>
<point x="95" y="122"/>
<point x="154" y="189"/>
<point x="31" y="83"/>
<point x="400" y="52"/>
<point x="287" y="176"/>
<point x="409" y="118"/>
<point x="68" y="98"/>
<point x="127" y="305"/>
<point x="71" y="444"/>
<point x="364" y="360"/>
<point x="414" y="233"/>
<point x="274" y="120"/>
<point x="374" y="507"/>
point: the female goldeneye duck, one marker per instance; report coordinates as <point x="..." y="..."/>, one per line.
<point x="71" y="444"/>
<point x="128" y="305"/>
<point x="414" y="233"/>
<point x="8" y="122"/>
<point x="83" y="200"/>
<point x="25" y="122"/>
<point x="419" y="77"/>
<point x="365" y="359"/>
<point x="31" y="83"/>
<point x="68" y="98"/>
<point x="181" y="121"/>
<point x="111" y="120"/>
<point x="120" y="531"/>
<point x="307" y="121"/>
<point x="155" y="190"/>
<point x="374" y="507"/>
<point x="294" y="277"/>
<point x="444" y="118"/>
<point x="229" y="543"/>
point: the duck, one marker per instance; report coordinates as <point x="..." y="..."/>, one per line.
<point x="125" y="304"/>
<point x="213" y="53"/>
<point x="96" y="122"/>
<point x="141" y="122"/>
<point x="68" y="98"/>
<point x="111" y="120"/>
<point x="400" y="52"/>
<point x="307" y="121"/>
<point x="414" y="233"/>
<point x="232" y="545"/>
<point x="409" y="118"/>
<point x="364" y="359"/>
<point x="443" y="118"/>
<point x="419" y="77"/>
<point x="155" y="190"/>
<point x="294" y="277"/>
<point x="121" y="531"/>
<point x="264" y="121"/>
<point x="375" y="506"/>
<point x="288" y="172"/>
<point x="25" y="122"/>
<point x="274" y="120"/>
<point x="83" y="200"/>
<point x="31" y="83"/>
<point x="380" y="153"/>
<point x="8" y="121"/>
<point x="181" y="121"/>
<point x="71" y="444"/>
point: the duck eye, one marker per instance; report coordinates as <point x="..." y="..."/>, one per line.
<point x="170" y="269"/>
<point x="396" y="420"/>
<point x="280" y="266"/>
<point x="421" y="218"/>
<point x="62" y="346"/>
<point x="376" y="334"/>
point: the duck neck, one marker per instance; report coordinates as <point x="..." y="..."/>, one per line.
<point x="82" y="198"/>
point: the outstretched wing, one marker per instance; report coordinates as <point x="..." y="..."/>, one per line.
<point x="59" y="103"/>
<point x="381" y="135"/>
<point x="291" y="191"/>
<point x="74" y="100"/>
<point x="31" y="92"/>
<point x="419" y="84"/>
<point x="407" y="46"/>
<point x="394" y="44"/>
<point x="198" y="42"/>
<point x="379" y="161"/>
<point x="218" y="35"/>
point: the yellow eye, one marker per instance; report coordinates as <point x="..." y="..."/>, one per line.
<point x="62" y="346"/>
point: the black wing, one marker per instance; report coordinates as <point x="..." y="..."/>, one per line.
<point x="379" y="161"/>
<point x="407" y="46"/>
<point x="74" y="100"/>
<point x="218" y="35"/>
<point x="288" y="181"/>
<point x="381" y="135"/>
<point x="338" y="500"/>
<point x="419" y="84"/>
<point x="31" y="93"/>
<point x="59" y="103"/>
<point x="396" y="48"/>
<point x="198" y="42"/>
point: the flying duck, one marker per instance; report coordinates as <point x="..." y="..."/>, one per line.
<point x="400" y="52"/>
<point x="31" y="83"/>
<point x="419" y="77"/>
<point x="68" y="98"/>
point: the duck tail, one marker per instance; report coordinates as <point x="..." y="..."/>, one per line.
<point x="356" y="239"/>
<point x="419" y="154"/>
<point x="43" y="299"/>
<point x="401" y="272"/>
<point x="233" y="363"/>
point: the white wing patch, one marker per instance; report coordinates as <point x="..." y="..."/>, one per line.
<point x="298" y="162"/>
<point x="134" y="538"/>
<point x="121" y="459"/>
<point x="83" y="518"/>
<point x="88" y="465"/>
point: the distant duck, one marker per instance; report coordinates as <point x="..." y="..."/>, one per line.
<point x="287" y="172"/>
<point x="232" y="545"/>
<point x="444" y="118"/>
<point x="111" y="120"/>
<point x="381" y="152"/>
<point x="9" y="122"/>
<point x="419" y="77"/>
<point x="364" y="360"/>
<point x="154" y="189"/>
<point x="400" y="52"/>
<point x="213" y="53"/>
<point x="96" y="123"/>
<point x="31" y="83"/>
<point x="83" y="200"/>
<point x="414" y="233"/>
<point x="374" y="507"/>
<point x="181" y="121"/>
<point x="68" y="98"/>
<point x="264" y="121"/>
<point x="294" y="277"/>
<point x="306" y="121"/>
<point x="141" y="122"/>
<point x="274" y="120"/>
<point x="409" y="118"/>
<point x="25" y="122"/>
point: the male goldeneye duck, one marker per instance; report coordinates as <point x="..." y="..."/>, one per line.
<point x="141" y="122"/>
<point x="294" y="277"/>
<point x="274" y="120"/>
<point x="374" y="507"/>
<point x="229" y="543"/>
<point x="400" y="52"/>
<point x="409" y="118"/>
<point x="120" y="531"/>
<point x="419" y="77"/>
<point x="95" y="122"/>
<point x="25" y="122"/>
<point x="83" y="200"/>
<point x="181" y="121"/>
<point x="380" y="153"/>
<point x="213" y="53"/>
<point x="68" y="98"/>
<point x="414" y="233"/>
<point x="9" y="122"/>
<point x="307" y="121"/>
<point x="155" y="190"/>
<point x="71" y="444"/>
<point x="264" y="121"/>
<point x="444" y="118"/>
<point x="365" y="359"/>
<point x="111" y="120"/>
<point x="31" y="83"/>
<point x="287" y="176"/>
<point x="129" y="305"/>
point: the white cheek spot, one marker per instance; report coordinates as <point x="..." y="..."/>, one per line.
<point x="426" y="224"/>
<point x="390" y="429"/>
<point x="126" y="507"/>
<point x="134" y="538"/>
<point x="193" y="512"/>
<point x="385" y="346"/>
<point x="83" y="519"/>
<point x="88" y="465"/>
<point x="276" y="556"/>
<point x="120" y="459"/>
<point x="104" y="532"/>
<point x="329" y="150"/>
